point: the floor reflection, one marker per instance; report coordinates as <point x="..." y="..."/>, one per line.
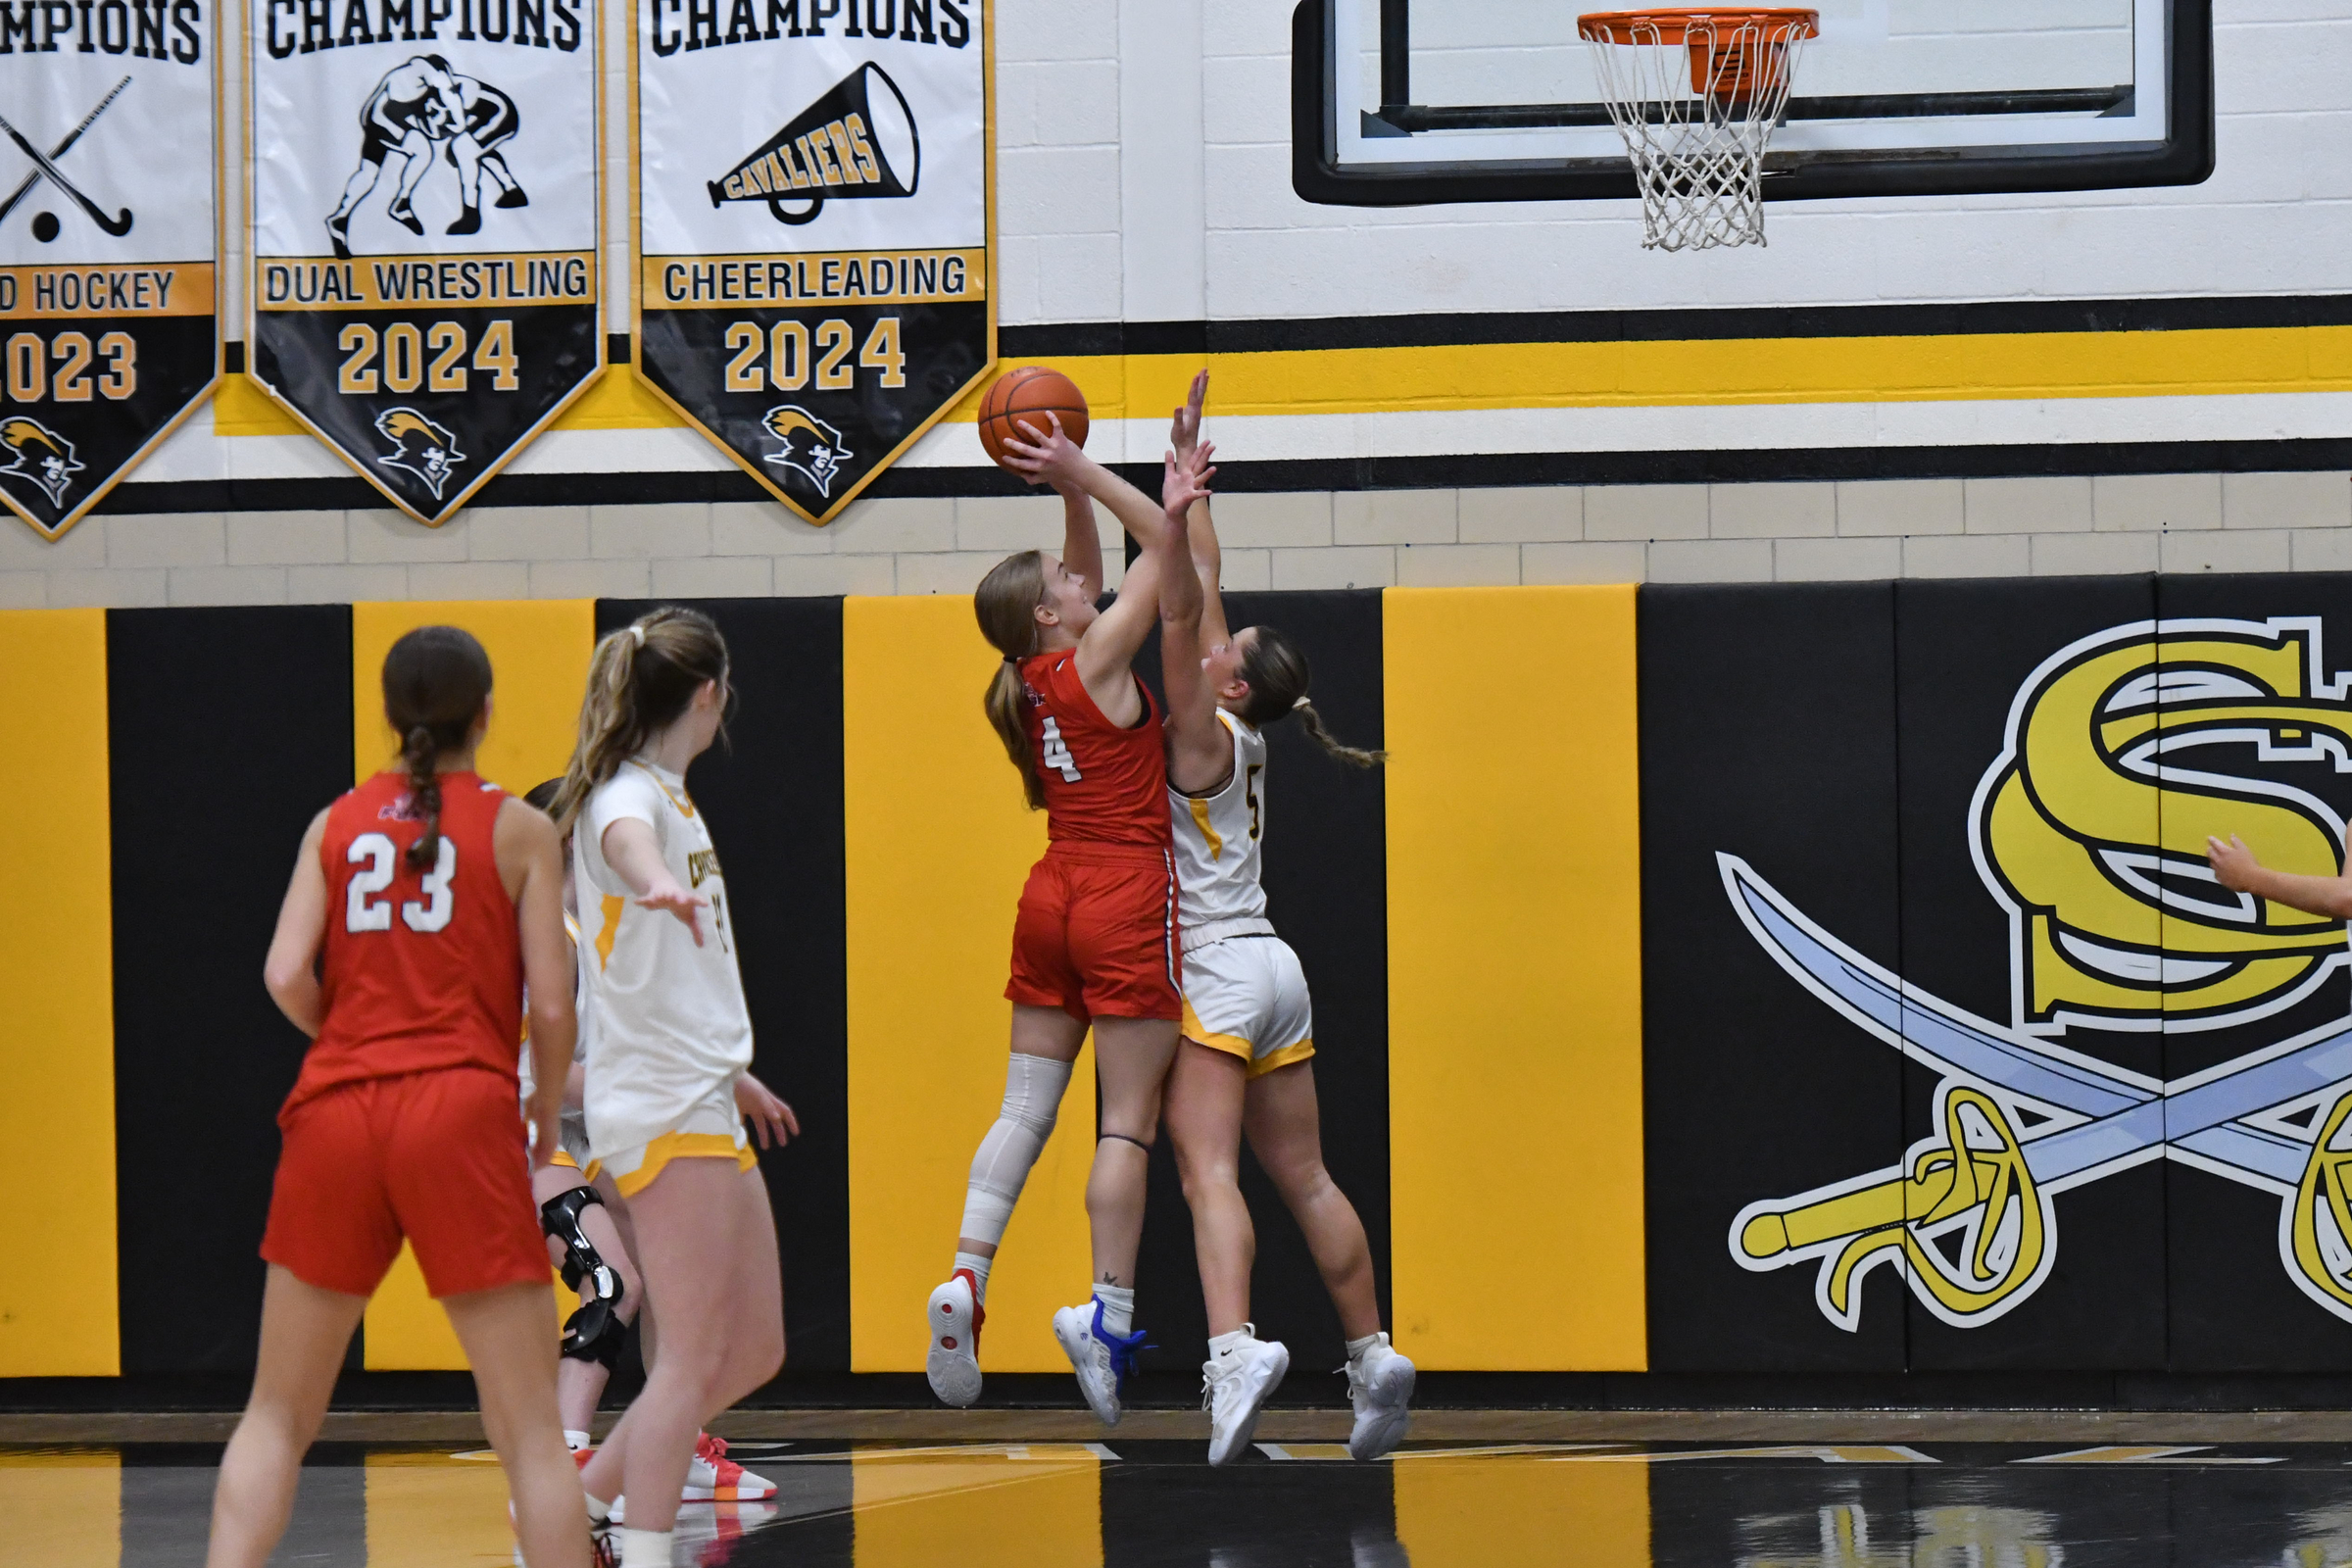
<point x="1144" y="1505"/>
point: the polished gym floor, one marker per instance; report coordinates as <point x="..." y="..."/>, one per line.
<point x="1145" y="1502"/>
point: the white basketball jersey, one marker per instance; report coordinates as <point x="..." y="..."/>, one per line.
<point x="1217" y="837"/>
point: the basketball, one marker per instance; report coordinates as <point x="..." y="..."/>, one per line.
<point x="1027" y="395"/>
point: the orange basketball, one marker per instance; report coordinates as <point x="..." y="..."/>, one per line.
<point x="1028" y="395"/>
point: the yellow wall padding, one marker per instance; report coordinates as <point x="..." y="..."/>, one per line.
<point x="937" y="843"/>
<point x="63" y="1507"/>
<point x="58" y="1315"/>
<point x="1038" y="1506"/>
<point x="1522" y="1511"/>
<point x="1514" y="978"/>
<point x="539" y="667"/>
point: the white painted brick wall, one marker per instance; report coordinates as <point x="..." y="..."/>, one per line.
<point x="1312" y="539"/>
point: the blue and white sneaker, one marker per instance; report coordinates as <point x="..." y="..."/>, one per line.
<point x="1102" y="1361"/>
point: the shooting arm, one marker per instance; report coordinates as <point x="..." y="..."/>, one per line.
<point x="1081" y="537"/>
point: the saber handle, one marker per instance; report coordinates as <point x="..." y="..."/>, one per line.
<point x="117" y="226"/>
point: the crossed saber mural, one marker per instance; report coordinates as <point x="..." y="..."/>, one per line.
<point x="1968" y="1216"/>
<point x="45" y="168"/>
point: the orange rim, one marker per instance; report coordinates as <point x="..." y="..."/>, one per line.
<point x="1783" y="23"/>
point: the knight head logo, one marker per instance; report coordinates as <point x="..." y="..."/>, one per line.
<point x="39" y="454"/>
<point x="424" y="448"/>
<point x="811" y="447"/>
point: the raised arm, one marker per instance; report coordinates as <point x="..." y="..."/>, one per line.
<point x="1081" y="538"/>
<point x="1200" y="749"/>
<point x="1183" y="434"/>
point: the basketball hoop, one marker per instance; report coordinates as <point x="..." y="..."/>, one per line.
<point x="1697" y="131"/>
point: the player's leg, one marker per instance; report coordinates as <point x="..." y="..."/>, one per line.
<point x="418" y="149"/>
<point x="509" y="189"/>
<point x="691" y="1222"/>
<point x="594" y="1334"/>
<point x="1132" y="1056"/>
<point x="504" y="1332"/>
<point x="1204" y="1124"/>
<point x="305" y="1333"/>
<point x="1284" y="1124"/>
<point x="355" y="191"/>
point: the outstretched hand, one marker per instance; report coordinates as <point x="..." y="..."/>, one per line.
<point x="1184" y="430"/>
<point x="1183" y="480"/>
<point x="666" y="895"/>
<point x="1045" y="456"/>
<point x="2233" y="865"/>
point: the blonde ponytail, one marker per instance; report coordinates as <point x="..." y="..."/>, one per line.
<point x="640" y="679"/>
<point x="1005" y="603"/>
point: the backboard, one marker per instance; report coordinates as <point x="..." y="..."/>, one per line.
<point x="1404" y="102"/>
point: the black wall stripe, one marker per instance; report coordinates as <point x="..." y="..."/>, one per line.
<point x="229" y="730"/>
<point x="773" y="792"/>
<point x="1768" y="732"/>
<point x="1326" y="874"/>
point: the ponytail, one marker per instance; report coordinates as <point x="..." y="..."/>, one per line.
<point x="640" y="679"/>
<point x="1276" y="673"/>
<point x="437" y="679"/>
<point x="1006" y="604"/>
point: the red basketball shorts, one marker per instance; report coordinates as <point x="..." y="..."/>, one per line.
<point x="439" y="1158"/>
<point x="1095" y="935"/>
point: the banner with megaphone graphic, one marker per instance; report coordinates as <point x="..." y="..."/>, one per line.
<point x="838" y="148"/>
<point x="814" y="231"/>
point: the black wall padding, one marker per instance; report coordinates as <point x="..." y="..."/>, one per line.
<point x="2234" y="1305"/>
<point x="1767" y="732"/>
<point x="773" y="792"/>
<point x="1326" y="875"/>
<point x="1963" y="649"/>
<point x="228" y="730"/>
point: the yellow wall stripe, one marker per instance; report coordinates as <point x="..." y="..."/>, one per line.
<point x="937" y="844"/>
<point x="1514" y="978"/>
<point x="539" y="662"/>
<point x="1937" y="368"/>
<point x="58" y="1306"/>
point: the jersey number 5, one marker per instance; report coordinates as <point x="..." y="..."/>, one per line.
<point x="1057" y="753"/>
<point x="360" y="912"/>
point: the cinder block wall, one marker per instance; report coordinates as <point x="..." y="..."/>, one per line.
<point x="1316" y="539"/>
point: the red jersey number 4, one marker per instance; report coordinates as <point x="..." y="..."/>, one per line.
<point x="1058" y="751"/>
<point x="363" y="911"/>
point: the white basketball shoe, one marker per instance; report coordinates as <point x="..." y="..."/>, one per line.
<point x="1235" y="1387"/>
<point x="1380" y="1385"/>
<point x="1102" y="1361"/>
<point x="952" y="1319"/>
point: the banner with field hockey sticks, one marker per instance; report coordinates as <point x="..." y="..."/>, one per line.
<point x="815" y="190"/>
<point x="109" y="238"/>
<point x="425" y="219"/>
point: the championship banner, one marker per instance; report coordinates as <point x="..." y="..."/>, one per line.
<point x="425" y="217"/>
<point x="109" y="236"/>
<point x="815" y="191"/>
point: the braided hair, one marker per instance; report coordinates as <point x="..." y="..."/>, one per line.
<point x="1277" y="673"/>
<point x="437" y="679"/>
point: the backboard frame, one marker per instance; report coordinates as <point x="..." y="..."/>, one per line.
<point x="2184" y="156"/>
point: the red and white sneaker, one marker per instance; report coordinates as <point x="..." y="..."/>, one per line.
<point x="712" y="1477"/>
<point x="954" y="1319"/>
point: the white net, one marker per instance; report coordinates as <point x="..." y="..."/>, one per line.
<point x="1697" y="95"/>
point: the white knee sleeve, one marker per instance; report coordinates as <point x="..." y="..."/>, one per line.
<point x="1033" y="1088"/>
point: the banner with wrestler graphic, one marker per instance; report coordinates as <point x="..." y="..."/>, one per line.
<point x="109" y="236"/>
<point x="426" y="215"/>
<point x="815" y="190"/>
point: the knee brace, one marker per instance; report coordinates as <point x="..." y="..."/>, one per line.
<point x="595" y="1332"/>
<point x="1033" y="1090"/>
